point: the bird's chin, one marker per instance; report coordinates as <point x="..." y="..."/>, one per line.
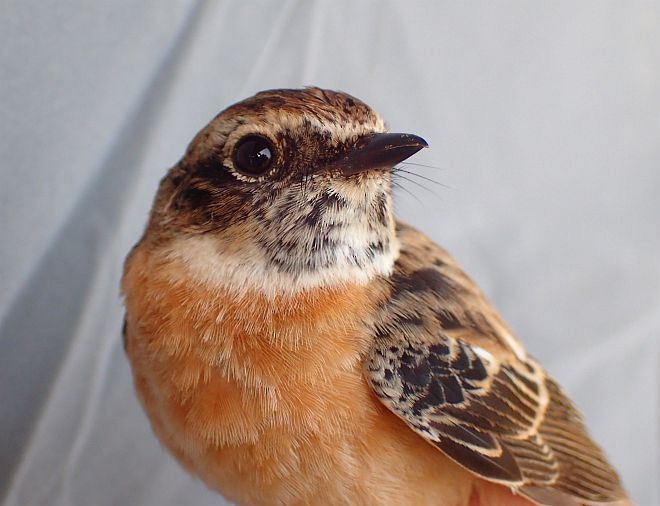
<point x="362" y="185"/>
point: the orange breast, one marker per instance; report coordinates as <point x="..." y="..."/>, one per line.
<point x="265" y="401"/>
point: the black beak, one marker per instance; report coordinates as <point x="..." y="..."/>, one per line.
<point x="378" y="151"/>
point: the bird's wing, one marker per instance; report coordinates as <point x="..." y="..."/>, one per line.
<point x="444" y="362"/>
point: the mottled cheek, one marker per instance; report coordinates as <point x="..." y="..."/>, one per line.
<point x="209" y="197"/>
<point x="197" y="198"/>
<point x="208" y="209"/>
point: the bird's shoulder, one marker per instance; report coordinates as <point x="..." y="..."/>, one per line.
<point x="428" y="280"/>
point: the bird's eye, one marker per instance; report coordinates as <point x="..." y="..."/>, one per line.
<point x="253" y="155"/>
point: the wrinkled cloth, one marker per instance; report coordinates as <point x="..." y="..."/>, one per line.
<point x="543" y="122"/>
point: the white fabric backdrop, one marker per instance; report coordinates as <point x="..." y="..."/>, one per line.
<point x="544" y="121"/>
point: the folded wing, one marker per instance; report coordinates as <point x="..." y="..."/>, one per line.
<point x="443" y="361"/>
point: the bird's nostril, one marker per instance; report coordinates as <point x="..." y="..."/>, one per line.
<point x="363" y="141"/>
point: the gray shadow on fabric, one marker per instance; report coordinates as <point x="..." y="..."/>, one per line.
<point x="36" y="332"/>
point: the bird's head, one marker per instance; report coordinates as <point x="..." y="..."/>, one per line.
<point x="290" y="186"/>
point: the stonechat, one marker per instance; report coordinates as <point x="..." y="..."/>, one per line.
<point x="293" y="343"/>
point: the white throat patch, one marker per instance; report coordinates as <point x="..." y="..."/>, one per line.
<point x="203" y="258"/>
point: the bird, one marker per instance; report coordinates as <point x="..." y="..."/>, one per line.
<point x="292" y="342"/>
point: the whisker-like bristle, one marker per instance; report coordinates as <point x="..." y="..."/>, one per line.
<point x="424" y="165"/>
<point x="417" y="184"/>
<point x="400" y="186"/>
<point x="399" y="169"/>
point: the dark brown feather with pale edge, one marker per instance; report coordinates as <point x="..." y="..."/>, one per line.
<point x="446" y="364"/>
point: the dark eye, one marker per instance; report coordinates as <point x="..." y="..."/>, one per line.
<point x="253" y="155"/>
